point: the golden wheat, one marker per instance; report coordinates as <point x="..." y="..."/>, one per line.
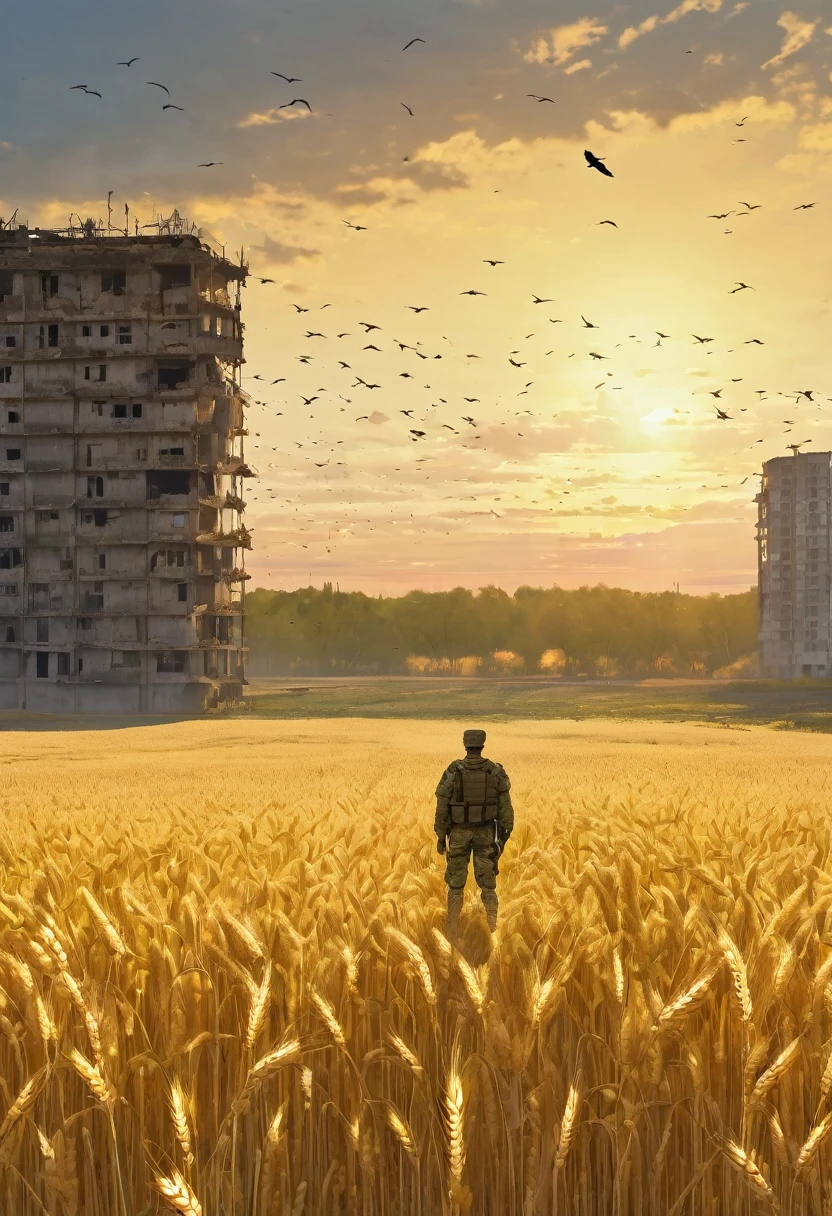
<point x="245" y="923"/>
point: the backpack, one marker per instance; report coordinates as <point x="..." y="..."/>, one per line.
<point x="474" y="797"/>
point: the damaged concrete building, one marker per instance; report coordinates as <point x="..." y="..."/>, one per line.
<point x="122" y="468"/>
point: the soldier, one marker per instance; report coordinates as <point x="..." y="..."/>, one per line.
<point x="473" y="815"/>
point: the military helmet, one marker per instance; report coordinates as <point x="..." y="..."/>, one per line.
<point x="473" y="738"/>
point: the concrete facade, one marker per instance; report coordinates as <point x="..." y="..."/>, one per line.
<point x="795" y="565"/>
<point x="122" y="468"/>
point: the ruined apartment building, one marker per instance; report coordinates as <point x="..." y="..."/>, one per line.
<point x="795" y="573"/>
<point x="121" y="472"/>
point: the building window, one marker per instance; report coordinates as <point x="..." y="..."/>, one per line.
<point x="137" y="409"/>
<point x="171" y="660"/>
<point x="9" y="634"/>
<point x="6" y="284"/>
<point x="14" y="416"/>
<point x="4" y="488"/>
<point x="63" y="664"/>
<point x="85" y="623"/>
<point x="5" y="375"/>
<point x="126" y="658"/>
<point x="171" y="451"/>
<point x="86" y="331"/>
<point x="98" y="373"/>
<point x="6" y="523"/>
<point x="49" y="284"/>
<point x="9" y="589"/>
<point x="102" y="561"/>
<point x="100" y="518"/>
<point x="52" y="335"/>
<point x="104" y="331"/>
<point x="38" y="597"/>
<point x="120" y="409"/>
<point x="10" y="559"/>
<point x="13" y="453"/>
<point x="94" y="600"/>
<point x="114" y="281"/>
<point x="141" y="454"/>
<point x="178" y="521"/>
<point x="172" y="376"/>
<point x="174" y="276"/>
<point x="11" y="340"/>
<point x="42" y="630"/>
<point x="125" y="335"/>
<point x="42" y="665"/>
<point x="95" y="487"/>
<point x="182" y="593"/>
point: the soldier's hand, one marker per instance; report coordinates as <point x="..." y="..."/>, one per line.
<point x="440" y="845"/>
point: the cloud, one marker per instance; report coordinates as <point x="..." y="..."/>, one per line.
<point x="560" y="43"/>
<point x="650" y="23"/>
<point x="799" y="33"/>
<point x="270" y="117"/>
<point x="275" y="253"/>
<point x="817" y="138"/>
<point x="578" y="66"/>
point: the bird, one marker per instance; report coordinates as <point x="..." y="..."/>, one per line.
<point x="537" y="97"/>
<point x="356" y="227"/>
<point x="715" y="392"/>
<point x="171" y="106"/>
<point x="418" y="434"/>
<point x="288" y="79"/>
<point x="751" y="206"/>
<point x="299" y="309"/>
<point x="408" y="45"/>
<point x="471" y="292"/>
<point x="588" y="324"/>
<point x="267" y="280"/>
<point x="310" y="333"/>
<point x="78" y="86"/>
<point x="701" y="340"/>
<point x="125" y="63"/>
<point x="740" y="123"/>
<point x="595" y="162"/>
<point x="661" y="335"/>
<point x="514" y="363"/>
<point x="207" y="164"/>
<point x="370" y="346"/>
<point x="722" y="215"/>
<point x="407" y="413"/>
<point x="92" y="92"/>
<point x="493" y="262"/>
<point x="756" y="341"/>
<point x="280" y="380"/>
<point x="540" y="300"/>
<point x="156" y="85"/>
<point x="407" y="107"/>
<point x="723" y="417"/>
<point x="612" y="222"/>
<point x="740" y="287"/>
<point x="594" y="355"/>
<point x="308" y="400"/>
<point x="368" y="326"/>
<point x="417" y="308"/>
<point x="296" y="101"/>
<point x="804" y="206"/>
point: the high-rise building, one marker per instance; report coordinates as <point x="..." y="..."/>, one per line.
<point x="795" y="565"/>
<point x="121" y="471"/>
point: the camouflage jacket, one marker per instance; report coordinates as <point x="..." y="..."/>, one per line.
<point x="444" y="792"/>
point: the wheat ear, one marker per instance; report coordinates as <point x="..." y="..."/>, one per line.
<point x="177" y="1194"/>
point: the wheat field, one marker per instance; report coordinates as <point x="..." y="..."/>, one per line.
<point x="224" y="986"/>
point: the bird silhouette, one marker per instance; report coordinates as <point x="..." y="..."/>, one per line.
<point x="596" y="162"/>
<point x="207" y="164"/>
<point x="296" y="101"/>
<point x="755" y="341"/>
<point x="540" y="300"/>
<point x="722" y="215"/>
<point x="156" y="85"/>
<point x="125" y="63"/>
<point x="611" y="222"/>
<point x="410" y="112"/>
<point x="355" y="227"/>
<point x="412" y="42"/>
<point x="267" y="280"/>
<point x="537" y="97"/>
<point x="723" y="417"/>
<point x="471" y="292"/>
<point x="417" y="308"/>
<point x="804" y="206"/>
<point x="751" y="206"/>
<point x="701" y="340"/>
<point x="288" y="79"/>
<point x="170" y="106"/>
<point x="588" y="324"/>
<point x="493" y="262"/>
<point x="740" y="287"/>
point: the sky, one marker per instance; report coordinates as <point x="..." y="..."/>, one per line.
<point x="508" y="441"/>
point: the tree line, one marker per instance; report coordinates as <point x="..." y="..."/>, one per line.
<point x="588" y="631"/>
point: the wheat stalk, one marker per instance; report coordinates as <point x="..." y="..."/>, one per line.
<point x="179" y="1116"/>
<point x="417" y="959"/>
<point x="177" y="1193"/>
<point x="109" y="932"/>
<point x="567" y="1126"/>
<point x="739" y="974"/>
<point x="328" y="1014"/>
<point x="259" y="1006"/>
<point x="742" y="1163"/>
<point x="454" y="1112"/>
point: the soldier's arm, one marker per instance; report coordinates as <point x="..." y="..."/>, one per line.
<point x="444" y="790"/>
<point x="505" y="811"/>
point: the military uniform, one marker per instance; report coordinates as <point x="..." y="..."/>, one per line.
<point x="474" y="818"/>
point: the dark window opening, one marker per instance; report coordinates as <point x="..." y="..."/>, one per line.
<point x="14" y="416"/>
<point x="10" y="559"/>
<point x="171" y="660"/>
<point x="4" y="488"/>
<point x="100" y="519"/>
<point x="125" y="335"/>
<point x="167" y="481"/>
<point x="137" y="409"/>
<point x="52" y="335"/>
<point x="10" y="633"/>
<point x="6" y="284"/>
<point x="84" y="622"/>
<point x="98" y="373"/>
<point x="42" y="665"/>
<point x="102" y="561"/>
<point x="174" y="276"/>
<point x="182" y="593"/>
<point x="86" y="331"/>
<point x="171" y="451"/>
<point x="42" y="630"/>
<point x="13" y="453"/>
<point x="6" y="523"/>
<point x="5" y="375"/>
<point x="11" y="340"/>
<point x="114" y="281"/>
<point x="49" y="284"/>
<point x="94" y="600"/>
<point x="38" y="597"/>
<point x="95" y="487"/>
<point x="63" y="664"/>
<point x="172" y="375"/>
<point x="104" y="331"/>
<point x="120" y="409"/>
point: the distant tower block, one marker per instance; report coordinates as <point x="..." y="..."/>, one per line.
<point x="795" y="570"/>
<point x="122" y="539"/>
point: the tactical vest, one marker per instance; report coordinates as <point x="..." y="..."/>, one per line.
<point x="474" y="797"/>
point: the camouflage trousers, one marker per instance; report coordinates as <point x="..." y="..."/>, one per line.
<point x="464" y="843"/>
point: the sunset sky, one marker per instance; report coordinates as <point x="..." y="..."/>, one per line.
<point x="573" y="469"/>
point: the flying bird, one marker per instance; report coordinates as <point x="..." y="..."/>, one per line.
<point x="612" y="222"/>
<point x="493" y="262"/>
<point x="595" y="162"/>
<point x="207" y="164"/>
<point x="298" y="308"/>
<point x="722" y="215"/>
<point x="804" y="206"/>
<point x="741" y="287"/>
<point x="755" y="341"/>
<point x="296" y="101"/>
<point x="751" y="206"/>
<point x="125" y="63"/>
<point x="368" y="326"/>
<point x="723" y="417"/>
<point x="356" y="227"/>
<point x="419" y="308"/>
<point x="308" y="400"/>
<point x="264" y="280"/>
<point x="471" y="292"/>
<point x="715" y="392"/>
<point x="407" y="413"/>
<point x="288" y="79"/>
<point x="171" y="106"/>
<point x="537" y="97"/>
<point x="412" y="42"/>
<point x="407" y="107"/>
<point x="701" y="340"/>
<point x="156" y="85"/>
<point x="588" y="324"/>
<point x="540" y="300"/>
<point x="740" y="123"/>
<point x="661" y="335"/>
